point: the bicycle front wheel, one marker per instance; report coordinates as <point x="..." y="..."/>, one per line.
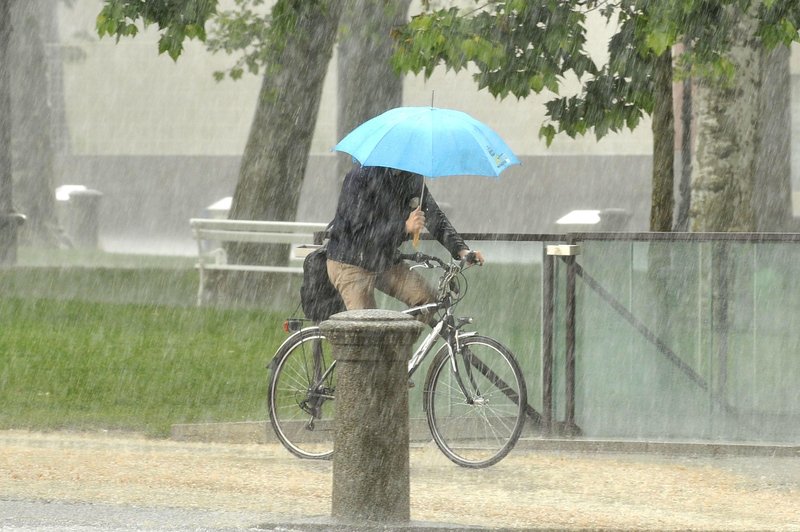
<point x="479" y="428"/>
<point x="301" y="396"/>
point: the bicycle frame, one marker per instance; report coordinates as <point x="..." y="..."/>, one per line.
<point x="444" y="328"/>
<point x="474" y="394"/>
<point x="451" y="336"/>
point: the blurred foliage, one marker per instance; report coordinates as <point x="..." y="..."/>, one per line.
<point x="251" y="27"/>
<point x="259" y="34"/>
<point x="245" y="29"/>
<point x="524" y="46"/>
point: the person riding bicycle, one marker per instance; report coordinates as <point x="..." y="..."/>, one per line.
<point x="379" y="209"/>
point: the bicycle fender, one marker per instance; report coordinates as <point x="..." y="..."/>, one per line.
<point x="279" y="353"/>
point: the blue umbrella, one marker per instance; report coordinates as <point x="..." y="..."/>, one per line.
<point x="429" y="141"/>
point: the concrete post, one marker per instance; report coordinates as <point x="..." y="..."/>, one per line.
<point x="370" y="459"/>
<point x="83" y="221"/>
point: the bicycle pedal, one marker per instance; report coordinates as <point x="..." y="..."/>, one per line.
<point x="411" y="384"/>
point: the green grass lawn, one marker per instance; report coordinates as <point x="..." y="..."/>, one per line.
<point x="89" y="365"/>
<point x="93" y="340"/>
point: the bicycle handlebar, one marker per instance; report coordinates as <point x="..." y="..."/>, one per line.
<point x="423" y="258"/>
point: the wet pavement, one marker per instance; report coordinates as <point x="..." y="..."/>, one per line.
<point x="113" y="481"/>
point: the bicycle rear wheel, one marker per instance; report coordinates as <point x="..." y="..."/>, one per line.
<point x="478" y="430"/>
<point x="300" y="399"/>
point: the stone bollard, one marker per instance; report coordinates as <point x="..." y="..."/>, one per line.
<point x="370" y="459"/>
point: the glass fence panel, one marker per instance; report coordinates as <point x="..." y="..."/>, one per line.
<point x="762" y="371"/>
<point x="629" y="297"/>
<point x="686" y="340"/>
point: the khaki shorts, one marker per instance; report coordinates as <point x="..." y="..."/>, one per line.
<point x="357" y="285"/>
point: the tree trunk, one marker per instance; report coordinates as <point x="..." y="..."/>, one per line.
<point x="687" y="124"/>
<point x="33" y="152"/>
<point x="276" y="154"/>
<point x="8" y="225"/>
<point x="663" y="202"/>
<point x="724" y="180"/>
<point x="6" y="183"/>
<point x="772" y="198"/>
<point x="727" y="125"/>
<point x="368" y="85"/>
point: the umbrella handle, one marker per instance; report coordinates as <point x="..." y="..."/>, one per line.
<point x="415" y="240"/>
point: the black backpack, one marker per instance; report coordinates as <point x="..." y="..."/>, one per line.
<point x="318" y="296"/>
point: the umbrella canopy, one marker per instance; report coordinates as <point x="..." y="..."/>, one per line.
<point x="429" y="141"/>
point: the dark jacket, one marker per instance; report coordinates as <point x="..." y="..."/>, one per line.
<point x="370" y="221"/>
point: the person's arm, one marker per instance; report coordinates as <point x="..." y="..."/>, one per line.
<point x="441" y="228"/>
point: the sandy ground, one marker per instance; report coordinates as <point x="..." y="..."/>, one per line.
<point x="542" y="489"/>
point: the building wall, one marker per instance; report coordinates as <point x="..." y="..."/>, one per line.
<point x="151" y="198"/>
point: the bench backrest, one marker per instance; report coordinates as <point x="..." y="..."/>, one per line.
<point x="255" y="231"/>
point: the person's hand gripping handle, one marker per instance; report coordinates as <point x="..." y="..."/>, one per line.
<point x="414" y="224"/>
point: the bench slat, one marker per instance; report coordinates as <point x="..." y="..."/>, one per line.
<point x="251" y="236"/>
<point x="257" y="225"/>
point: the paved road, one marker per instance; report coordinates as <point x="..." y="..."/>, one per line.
<point x="38" y="515"/>
<point x="90" y="482"/>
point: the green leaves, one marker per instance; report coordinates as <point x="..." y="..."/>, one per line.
<point x="116" y="19"/>
<point x="779" y="22"/>
<point x="177" y="20"/>
<point x="171" y="42"/>
<point x="440" y="37"/>
<point x="519" y="47"/>
<point x="660" y="40"/>
<point x="259" y="34"/>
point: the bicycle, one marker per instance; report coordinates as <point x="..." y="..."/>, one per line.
<point x="474" y="396"/>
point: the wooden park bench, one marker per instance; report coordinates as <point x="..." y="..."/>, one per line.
<point x="210" y="235"/>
